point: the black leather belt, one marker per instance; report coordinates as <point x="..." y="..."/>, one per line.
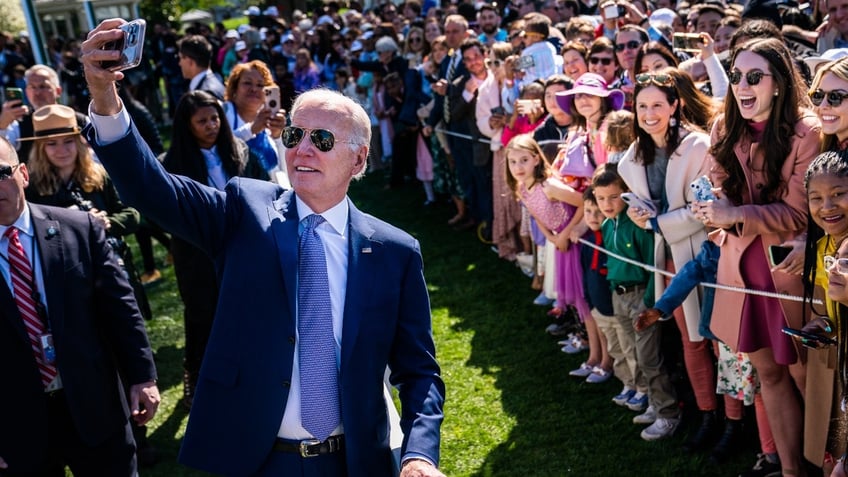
<point x="311" y="447"/>
<point x="622" y="289"/>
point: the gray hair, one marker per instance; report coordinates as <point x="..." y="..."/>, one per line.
<point x="386" y="44"/>
<point x="45" y="70"/>
<point x="359" y="122"/>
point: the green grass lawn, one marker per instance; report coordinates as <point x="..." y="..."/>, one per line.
<point x="511" y="408"/>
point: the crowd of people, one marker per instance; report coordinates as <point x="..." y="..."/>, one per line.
<point x="621" y="154"/>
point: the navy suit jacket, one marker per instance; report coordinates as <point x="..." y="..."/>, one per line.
<point x="251" y="231"/>
<point x="97" y="331"/>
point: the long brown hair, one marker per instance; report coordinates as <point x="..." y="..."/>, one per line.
<point x="838" y="68"/>
<point x="525" y="142"/>
<point x="780" y="126"/>
<point x="44" y="177"/>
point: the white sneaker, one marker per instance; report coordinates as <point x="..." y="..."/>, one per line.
<point x="647" y="417"/>
<point x="525" y="263"/>
<point x="661" y="428"/>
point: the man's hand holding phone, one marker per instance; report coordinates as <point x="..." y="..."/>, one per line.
<point x="101" y="80"/>
<point x="13" y="110"/>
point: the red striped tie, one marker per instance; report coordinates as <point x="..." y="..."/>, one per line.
<point x="22" y="283"/>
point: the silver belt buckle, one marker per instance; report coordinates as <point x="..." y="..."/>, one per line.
<point x="304" y="447"/>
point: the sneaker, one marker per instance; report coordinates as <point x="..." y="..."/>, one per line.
<point x="661" y="428"/>
<point x="557" y="330"/>
<point x="639" y="402"/>
<point x="543" y="300"/>
<point x="567" y="340"/>
<point x="599" y="375"/>
<point x="576" y="346"/>
<point x="583" y="371"/>
<point x="625" y="395"/>
<point x="525" y="263"/>
<point x="647" y="417"/>
<point x="763" y="468"/>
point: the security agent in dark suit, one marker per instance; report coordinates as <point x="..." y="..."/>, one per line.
<point x="195" y="55"/>
<point x="257" y="407"/>
<point x="65" y="341"/>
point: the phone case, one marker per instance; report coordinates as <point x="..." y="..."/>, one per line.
<point x="272" y="98"/>
<point x="634" y="200"/>
<point x="703" y="189"/>
<point x="131" y="46"/>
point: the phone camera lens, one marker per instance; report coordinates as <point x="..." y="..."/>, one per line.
<point x="273" y="103"/>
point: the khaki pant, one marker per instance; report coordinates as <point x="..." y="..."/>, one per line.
<point x="621" y="345"/>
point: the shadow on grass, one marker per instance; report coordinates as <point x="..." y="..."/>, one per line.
<point x="511" y="407"/>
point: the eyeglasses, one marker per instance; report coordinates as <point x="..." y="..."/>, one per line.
<point x="7" y="171"/>
<point x="604" y="61"/>
<point x="752" y="77"/>
<point x="832" y="263"/>
<point x="322" y="139"/>
<point x="645" y="79"/>
<point x="493" y="63"/>
<point x="834" y="98"/>
<point x="630" y="45"/>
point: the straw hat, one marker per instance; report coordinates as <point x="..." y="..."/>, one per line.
<point x="53" y="120"/>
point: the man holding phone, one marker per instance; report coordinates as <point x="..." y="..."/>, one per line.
<point x="42" y="88"/>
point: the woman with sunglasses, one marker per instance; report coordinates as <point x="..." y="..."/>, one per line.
<point x="602" y="60"/>
<point x="415" y="48"/>
<point x="669" y="154"/>
<point x="761" y="148"/>
<point x="491" y="118"/>
<point x="203" y="148"/>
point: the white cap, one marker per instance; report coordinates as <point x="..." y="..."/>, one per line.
<point x="304" y="24"/>
<point x="366" y="36"/>
<point x="240" y="45"/>
<point x="253" y="11"/>
<point x="271" y="11"/>
<point x="243" y="28"/>
<point x="662" y="15"/>
<point x="325" y="19"/>
<point x="356" y="46"/>
<point x="232" y="34"/>
<point x="832" y="54"/>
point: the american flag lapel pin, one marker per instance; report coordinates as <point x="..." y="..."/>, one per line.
<point x="366" y="250"/>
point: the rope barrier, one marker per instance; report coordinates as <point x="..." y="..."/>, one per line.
<point x="486" y="140"/>
<point x="653" y="269"/>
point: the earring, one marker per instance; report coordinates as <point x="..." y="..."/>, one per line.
<point x="776" y="92"/>
<point x="672" y="122"/>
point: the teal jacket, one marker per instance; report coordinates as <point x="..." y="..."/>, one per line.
<point x="625" y="238"/>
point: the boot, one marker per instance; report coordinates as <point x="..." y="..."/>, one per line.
<point x="705" y="435"/>
<point x="729" y="442"/>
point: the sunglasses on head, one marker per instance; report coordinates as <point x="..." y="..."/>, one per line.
<point x="604" y="61"/>
<point x="839" y="265"/>
<point x="752" y="77"/>
<point x="659" y="80"/>
<point x="630" y="45"/>
<point x="834" y="98"/>
<point x="322" y="139"/>
<point x="7" y="171"/>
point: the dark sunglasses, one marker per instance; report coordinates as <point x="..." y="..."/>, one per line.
<point x="493" y="63"/>
<point x="630" y="45"/>
<point x="752" y="77"/>
<point x="322" y="139"/>
<point x="834" y="98"/>
<point x="415" y="39"/>
<point x="604" y="61"/>
<point x="7" y="171"/>
<point x="645" y="79"/>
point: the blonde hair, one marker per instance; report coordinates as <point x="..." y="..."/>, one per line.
<point x="619" y="135"/>
<point x="839" y="68"/>
<point x="44" y="177"/>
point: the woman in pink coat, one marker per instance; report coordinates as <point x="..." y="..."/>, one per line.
<point x="761" y="148"/>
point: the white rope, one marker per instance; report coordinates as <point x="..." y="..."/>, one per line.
<point x="651" y="268"/>
<point x="486" y="140"/>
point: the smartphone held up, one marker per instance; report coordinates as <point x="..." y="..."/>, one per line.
<point x="130" y="46"/>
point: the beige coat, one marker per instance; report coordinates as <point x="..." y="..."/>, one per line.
<point x="679" y="228"/>
<point x="774" y="223"/>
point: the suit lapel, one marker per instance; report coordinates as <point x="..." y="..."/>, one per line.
<point x="48" y="237"/>
<point x="361" y="277"/>
<point x="284" y="222"/>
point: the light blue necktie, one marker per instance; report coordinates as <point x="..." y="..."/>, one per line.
<point x="319" y="384"/>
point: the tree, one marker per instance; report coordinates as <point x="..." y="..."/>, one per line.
<point x="11" y="16"/>
<point x="170" y="10"/>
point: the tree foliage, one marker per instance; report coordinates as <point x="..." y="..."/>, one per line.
<point x="11" y="16"/>
<point x="170" y="10"/>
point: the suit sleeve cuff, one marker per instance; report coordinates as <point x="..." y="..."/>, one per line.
<point x="414" y="456"/>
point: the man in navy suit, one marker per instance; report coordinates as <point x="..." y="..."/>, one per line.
<point x="195" y="55"/>
<point x="70" y="333"/>
<point x="247" y="418"/>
